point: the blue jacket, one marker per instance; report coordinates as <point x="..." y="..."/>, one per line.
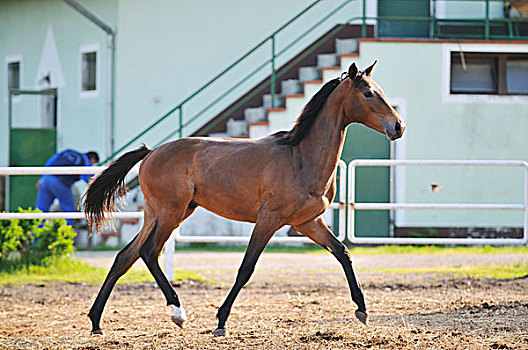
<point x="70" y="157"/>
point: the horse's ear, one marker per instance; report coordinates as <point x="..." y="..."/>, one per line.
<point x="352" y="71"/>
<point x="368" y="71"/>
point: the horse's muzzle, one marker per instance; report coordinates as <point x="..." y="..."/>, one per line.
<point x="395" y="131"/>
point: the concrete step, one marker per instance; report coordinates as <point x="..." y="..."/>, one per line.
<point x="291" y="87"/>
<point x="327" y="60"/>
<point x="309" y="73"/>
<point x="237" y="128"/>
<point x="346" y="46"/>
<point x="255" y="114"/>
<point x="309" y="82"/>
<point x="257" y="130"/>
<point x="279" y="101"/>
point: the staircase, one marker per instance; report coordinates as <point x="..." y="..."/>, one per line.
<point x="294" y="93"/>
<point x="301" y="77"/>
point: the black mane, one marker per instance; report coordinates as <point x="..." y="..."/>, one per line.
<point x="307" y="118"/>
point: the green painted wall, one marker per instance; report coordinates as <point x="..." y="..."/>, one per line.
<point x="28" y="147"/>
<point x="372" y="184"/>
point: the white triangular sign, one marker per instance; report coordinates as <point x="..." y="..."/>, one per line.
<point x="49" y="72"/>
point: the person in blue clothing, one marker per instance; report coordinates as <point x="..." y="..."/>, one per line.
<point x="60" y="186"/>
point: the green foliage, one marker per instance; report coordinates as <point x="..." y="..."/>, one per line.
<point x="10" y="233"/>
<point x="30" y="241"/>
<point x="71" y="270"/>
<point x="489" y="271"/>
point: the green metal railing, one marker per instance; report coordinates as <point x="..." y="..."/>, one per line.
<point x="270" y="39"/>
<point x="364" y="20"/>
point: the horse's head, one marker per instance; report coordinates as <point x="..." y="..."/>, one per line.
<point x="366" y="104"/>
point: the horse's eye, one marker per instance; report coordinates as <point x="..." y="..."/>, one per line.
<point x="367" y="94"/>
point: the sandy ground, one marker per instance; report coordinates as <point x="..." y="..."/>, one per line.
<point x="297" y="301"/>
<point x="197" y="261"/>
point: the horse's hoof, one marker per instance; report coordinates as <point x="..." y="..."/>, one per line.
<point x="179" y="321"/>
<point x="97" y="332"/>
<point x="362" y="316"/>
<point x="220" y="332"/>
<point x="179" y="316"/>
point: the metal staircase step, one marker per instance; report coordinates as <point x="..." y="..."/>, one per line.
<point x="309" y="73"/>
<point x="291" y="87"/>
<point x="279" y="101"/>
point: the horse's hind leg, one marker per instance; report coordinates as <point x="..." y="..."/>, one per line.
<point x="123" y="261"/>
<point x="150" y="251"/>
<point x="321" y="234"/>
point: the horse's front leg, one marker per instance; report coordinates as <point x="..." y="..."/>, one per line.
<point x="264" y="229"/>
<point x="317" y="231"/>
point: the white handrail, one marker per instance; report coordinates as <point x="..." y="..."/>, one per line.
<point x="353" y="205"/>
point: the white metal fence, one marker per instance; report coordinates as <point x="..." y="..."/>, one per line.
<point x="65" y="170"/>
<point x="353" y="205"/>
<point x="346" y="178"/>
<point x="341" y="206"/>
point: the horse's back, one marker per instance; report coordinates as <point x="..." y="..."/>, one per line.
<point x="224" y="175"/>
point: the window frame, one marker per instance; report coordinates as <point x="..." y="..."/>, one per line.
<point x="86" y="49"/>
<point x="499" y="71"/>
<point x="9" y="60"/>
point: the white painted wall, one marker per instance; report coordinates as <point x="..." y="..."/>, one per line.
<point x="441" y="126"/>
<point x="166" y="50"/>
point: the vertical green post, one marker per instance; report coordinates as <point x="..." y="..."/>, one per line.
<point x="487" y="23"/>
<point x="364" y="20"/>
<point x="180" y="131"/>
<point x="272" y="87"/>
<point x="7" y="183"/>
<point x="9" y="109"/>
<point x="432" y="21"/>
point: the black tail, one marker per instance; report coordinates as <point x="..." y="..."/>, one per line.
<point x="100" y="195"/>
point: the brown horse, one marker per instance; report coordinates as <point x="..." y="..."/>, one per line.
<point x="288" y="178"/>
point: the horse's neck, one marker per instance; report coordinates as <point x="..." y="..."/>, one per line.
<point x="322" y="147"/>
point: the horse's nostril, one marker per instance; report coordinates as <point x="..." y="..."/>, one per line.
<point x="397" y="127"/>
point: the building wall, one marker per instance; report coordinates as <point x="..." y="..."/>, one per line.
<point x="24" y="27"/>
<point x="443" y="126"/>
<point x="166" y="50"/>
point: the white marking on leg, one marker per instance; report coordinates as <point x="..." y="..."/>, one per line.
<point x="179" y="312"/>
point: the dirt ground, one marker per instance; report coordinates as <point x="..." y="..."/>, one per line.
<point x="298" y="308"/>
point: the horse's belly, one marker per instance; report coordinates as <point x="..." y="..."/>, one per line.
<point x="228" y="206"/>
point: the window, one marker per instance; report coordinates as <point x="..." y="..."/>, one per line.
<point x="89" y="71"/>
<point x="88" y="67"/>
<point x="517" y="76"/>
<point x="13" y="75"/>
<point x="489" y="73"/>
